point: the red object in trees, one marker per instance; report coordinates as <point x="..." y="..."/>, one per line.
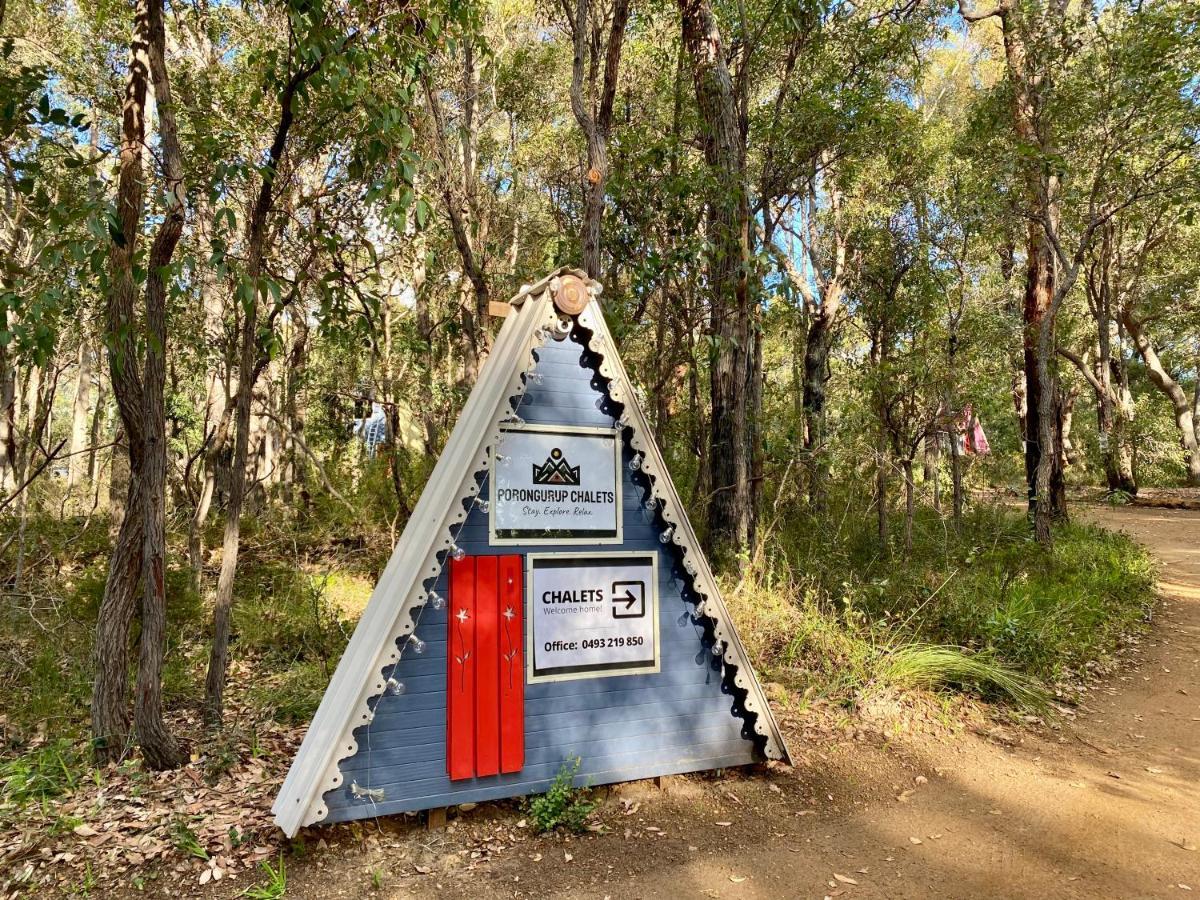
<point x="485" y="732"/>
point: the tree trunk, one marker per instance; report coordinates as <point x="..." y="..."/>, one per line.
<point x="159" y="747"/>
<point x="731" y="514"/>
<point x="1181" y="404"/>
<point x="909" y="506"/>
<point x="816" y="361"/>
<point x="110" y="653"/>
<point x="881" y="499"/>
<point x="249" y="366"/>
<point x="110" y="656"/>
<point x="595" y="123"/>
<point x="77" y="461"/>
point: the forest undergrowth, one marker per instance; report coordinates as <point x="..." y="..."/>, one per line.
<point x="824" y="611"/>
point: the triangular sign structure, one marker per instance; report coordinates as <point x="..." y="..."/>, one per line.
<point x="548" y="603"/>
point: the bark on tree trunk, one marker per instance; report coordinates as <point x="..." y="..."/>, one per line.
<point x="731" y="514"/>
<point x="909" y="506"/>
<point x="159" y="747"/>
<point x="77" y="461"/>
<point x="596" y="123"/>
<point x="110" y="653"/>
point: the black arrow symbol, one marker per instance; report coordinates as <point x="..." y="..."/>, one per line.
<point x="629" y="599"/>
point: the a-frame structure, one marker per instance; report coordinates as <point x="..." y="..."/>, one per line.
<point x="438" y="698"/>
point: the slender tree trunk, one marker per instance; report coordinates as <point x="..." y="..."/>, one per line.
<point x="159" y="747"/>
<point x="110" y="654"/>
<point x="909" y="505"/>
<point x="249" y="366"/>
<point x="731" y="514"/>
<point x="816" y="362"/>
<point x="596" y="122"/>
<point x="881" y="489"/>
<point x="80" y="408"/>
<point x="8" y="418"/>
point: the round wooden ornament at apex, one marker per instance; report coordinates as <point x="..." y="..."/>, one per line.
<point x="572" y="295"/>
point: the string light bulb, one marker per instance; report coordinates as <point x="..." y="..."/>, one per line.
<point x="418" y="645"/>
<point x="635" y="464"/>
<point x="436" y="600"/>
<point x="482" y="504"/>
<point x="665" y="536"/>
<point x="651" y="504"/>
<point x="716" y="649"/>
<point x="395" y="687"/>
<point x="457" y="553"/>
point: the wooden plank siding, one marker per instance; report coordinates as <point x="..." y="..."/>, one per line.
<point x="681" y="719"/>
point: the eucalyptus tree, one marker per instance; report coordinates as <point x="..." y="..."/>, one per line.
<point x="1086" y="148"/>
<point x="140" y="552"/>
<point x="341" y="81"/>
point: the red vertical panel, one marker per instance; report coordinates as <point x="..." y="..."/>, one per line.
<point x="487" y="651"/>
<point x="461" y="666"/>
<point x="512" y="666"/>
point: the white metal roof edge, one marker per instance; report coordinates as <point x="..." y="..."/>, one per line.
<point x="673" y="511"/>
<point x="373" y="646"/>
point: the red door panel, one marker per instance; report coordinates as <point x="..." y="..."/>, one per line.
<point x="485" y="733"/>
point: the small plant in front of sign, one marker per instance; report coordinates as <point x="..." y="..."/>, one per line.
<point x="564" y="805"/>
<point x="274" y="887"/>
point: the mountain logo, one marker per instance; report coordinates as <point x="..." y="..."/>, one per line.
<point x="555" y="470"/>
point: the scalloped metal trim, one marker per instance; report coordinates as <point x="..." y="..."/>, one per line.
<point x="712" y="604"/>
<point x="455" y="513"/>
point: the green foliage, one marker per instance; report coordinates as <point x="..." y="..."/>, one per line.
<point x="292" y="693"/>
<point x="564" y="805"/>
<point x="185" y="840"/>
<point x="933" y="667"/>
<point x="41" y="774"/>
<point x="276" y="883"/>
<point x="987" y="610"/>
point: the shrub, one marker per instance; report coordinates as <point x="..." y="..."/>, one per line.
<point x="41" y="773"/>
<point x="564" y="805"/>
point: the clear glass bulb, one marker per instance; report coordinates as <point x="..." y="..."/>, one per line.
<point x="665" y="536"/>
<point x="651" y="503"/>
<point x="396" y="687"/>
<point x="436" y="600"/>
<point x="418" y="645"/>
<point x="635" y="464"/>
<point x="457" y="552"/>
<point x="716" y="649"/>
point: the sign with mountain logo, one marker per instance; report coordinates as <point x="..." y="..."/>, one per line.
<point x="556" y="484"/>
<point x="555" y="470"/>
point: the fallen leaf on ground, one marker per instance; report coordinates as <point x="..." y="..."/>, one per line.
<point x="915" y="840"/>
<point x="737" y="879"/>
<point x="844" y="879"/>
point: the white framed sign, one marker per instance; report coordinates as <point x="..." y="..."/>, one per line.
<point x="555" y="484"/>
<point x="591" y="615"/>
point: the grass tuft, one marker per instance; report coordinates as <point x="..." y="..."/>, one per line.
<point x="938" y="666"/>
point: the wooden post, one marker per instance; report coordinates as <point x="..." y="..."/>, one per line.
<point x="435" y="819"/>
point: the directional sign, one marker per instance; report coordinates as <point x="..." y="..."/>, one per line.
<point x="592" y="615"/>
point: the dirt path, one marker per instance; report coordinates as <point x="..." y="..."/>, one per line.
<point x="1106" y="806"/>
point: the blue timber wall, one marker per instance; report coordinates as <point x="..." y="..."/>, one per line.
<point x="684" y="718"/>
